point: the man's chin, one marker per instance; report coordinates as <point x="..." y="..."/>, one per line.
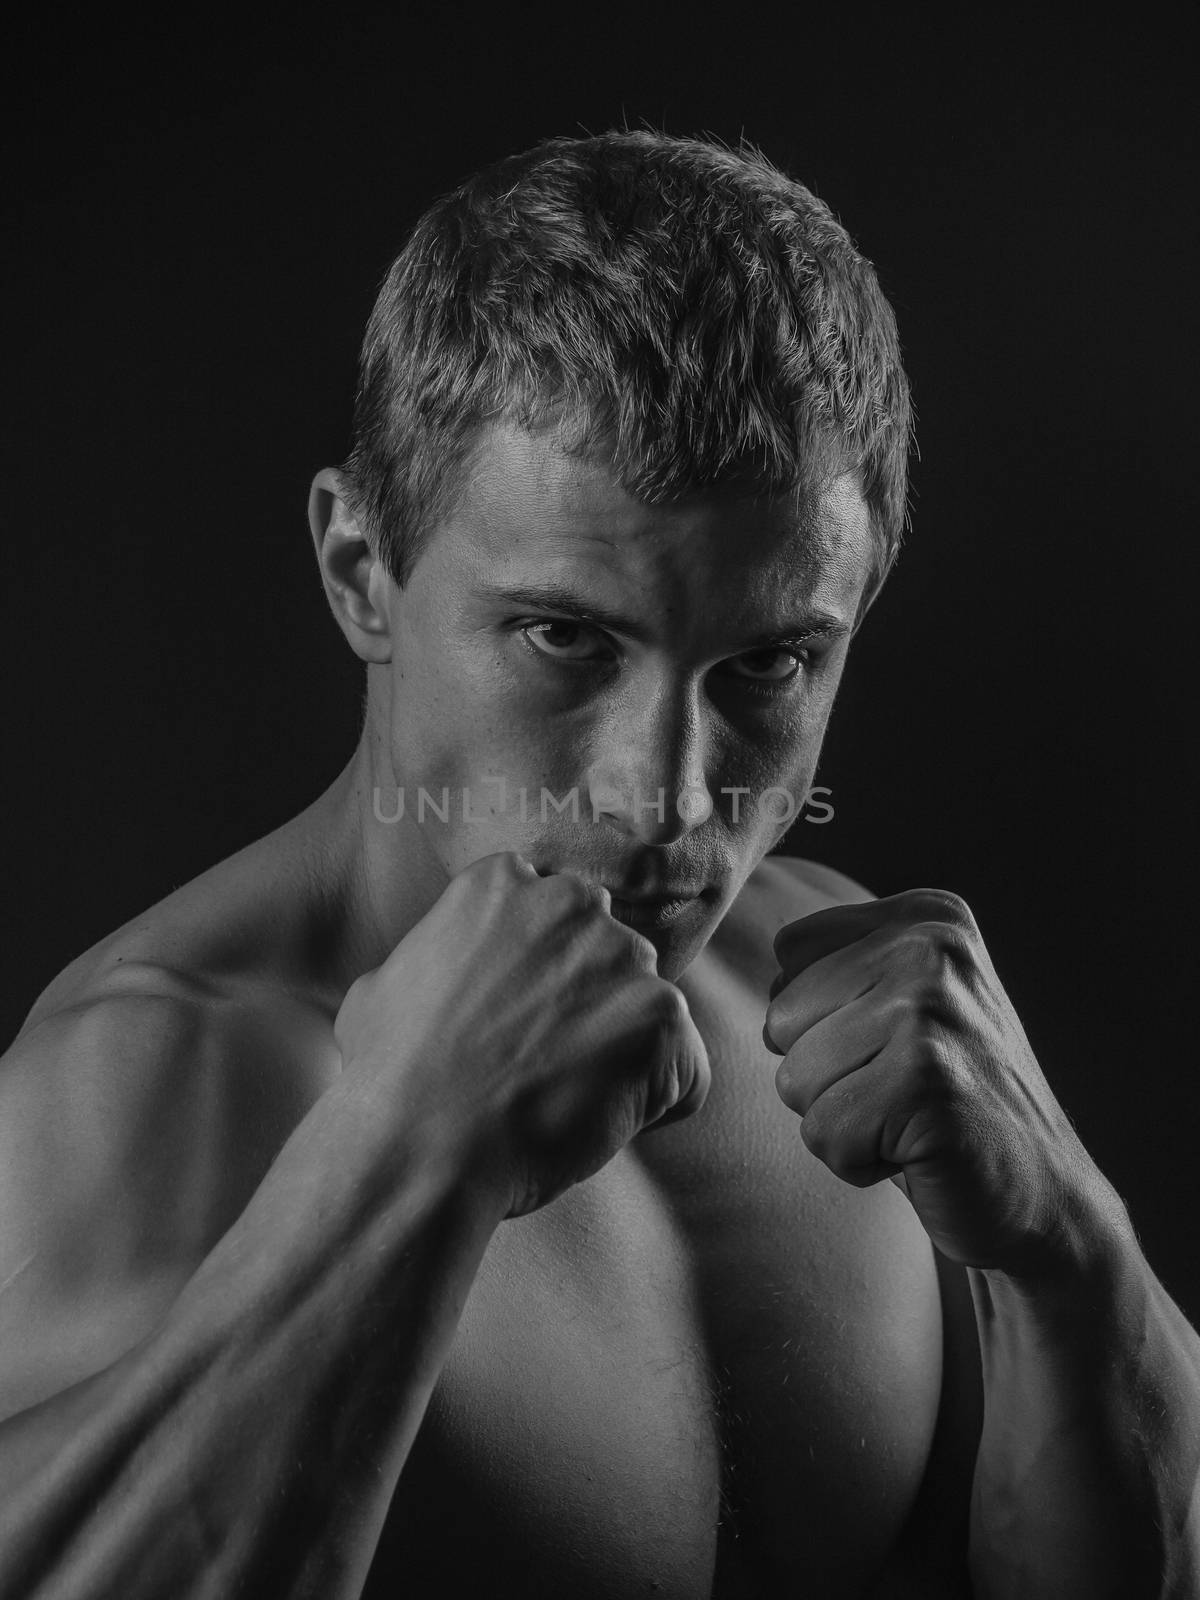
<point x="678" y="946"/>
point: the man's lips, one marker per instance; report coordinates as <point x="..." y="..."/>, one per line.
<point x="651" y="911"/>
<point x="644" y="897"/>
<point x="651" y="903"/>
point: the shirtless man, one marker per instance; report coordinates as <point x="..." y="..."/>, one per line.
<point x="481" y="1184"/>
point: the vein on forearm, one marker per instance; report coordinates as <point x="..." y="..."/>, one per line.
<point x="1086" y="1479"/>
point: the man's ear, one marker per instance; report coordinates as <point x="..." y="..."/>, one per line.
<point x="357" y="585"/>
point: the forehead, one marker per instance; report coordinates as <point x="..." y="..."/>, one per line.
<point x="530" y="512"/>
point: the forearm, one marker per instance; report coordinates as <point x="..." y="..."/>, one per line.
<point x="251" y="1444"/>
<point x="1087" y="1477"/>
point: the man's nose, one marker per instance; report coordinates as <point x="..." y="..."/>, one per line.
<point x="651" y="782"/>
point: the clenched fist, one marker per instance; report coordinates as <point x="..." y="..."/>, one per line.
<point x="525" y="1030"/>
<point x="903" y="1055"/>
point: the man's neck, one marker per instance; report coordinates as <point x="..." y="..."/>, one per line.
<point x="370" y="881"/>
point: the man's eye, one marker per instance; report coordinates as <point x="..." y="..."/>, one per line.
<point x="565" y="641"/>
<point x="769" y="667"/>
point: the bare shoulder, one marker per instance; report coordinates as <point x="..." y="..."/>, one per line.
<point x="137" y="1116"/>
<point x="781" y="889"/>
<point x="810" y="885"/>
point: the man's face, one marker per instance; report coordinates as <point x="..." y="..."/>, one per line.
<point x="632" y="692"/>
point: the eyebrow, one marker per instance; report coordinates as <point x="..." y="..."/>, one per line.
<point x="815" y="624"/>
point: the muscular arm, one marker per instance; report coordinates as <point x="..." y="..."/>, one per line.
<point x="1088" y="1476"/>
<point x="904" y="1057"/>
<point x="250" y="1439"/>
<point x="232" y="1413"/>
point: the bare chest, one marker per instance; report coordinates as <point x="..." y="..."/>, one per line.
<point x="711" y="1371"/>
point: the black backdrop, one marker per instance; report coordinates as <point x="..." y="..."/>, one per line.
<point x="195" y="224"/>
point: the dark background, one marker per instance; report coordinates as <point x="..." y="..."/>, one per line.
<point x="195" y="223"/>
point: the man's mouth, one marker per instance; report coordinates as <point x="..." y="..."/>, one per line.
<point x="651" y="911"/>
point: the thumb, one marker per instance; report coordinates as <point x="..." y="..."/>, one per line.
<point x="693" y="1075"/>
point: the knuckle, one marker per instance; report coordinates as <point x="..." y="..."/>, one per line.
<point x="571" y="890"/>
<point x="504" y="866"/>
<point x="817" y="1135"/>
<point x="861" y="1177"/>
<point x="955" y="952"/>
<point x="669" y="1007"/>
<point x="792" y="939"/>
<point x="936" y="1077"/>
<point x="487" y="875"/>
<point x="936" y="947"/>
<point x="932" y="1071"/>
<point x="901" y="1011"/>
<point x="781" y="1020"/>
<point x="943" y="905"/>
<point x="664" y="1014"/>
<point x="921" y="1007"/>
<point x="786" y="1088"/>
<point x="830" y="1135"/>
<point x="636" y="949"/>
